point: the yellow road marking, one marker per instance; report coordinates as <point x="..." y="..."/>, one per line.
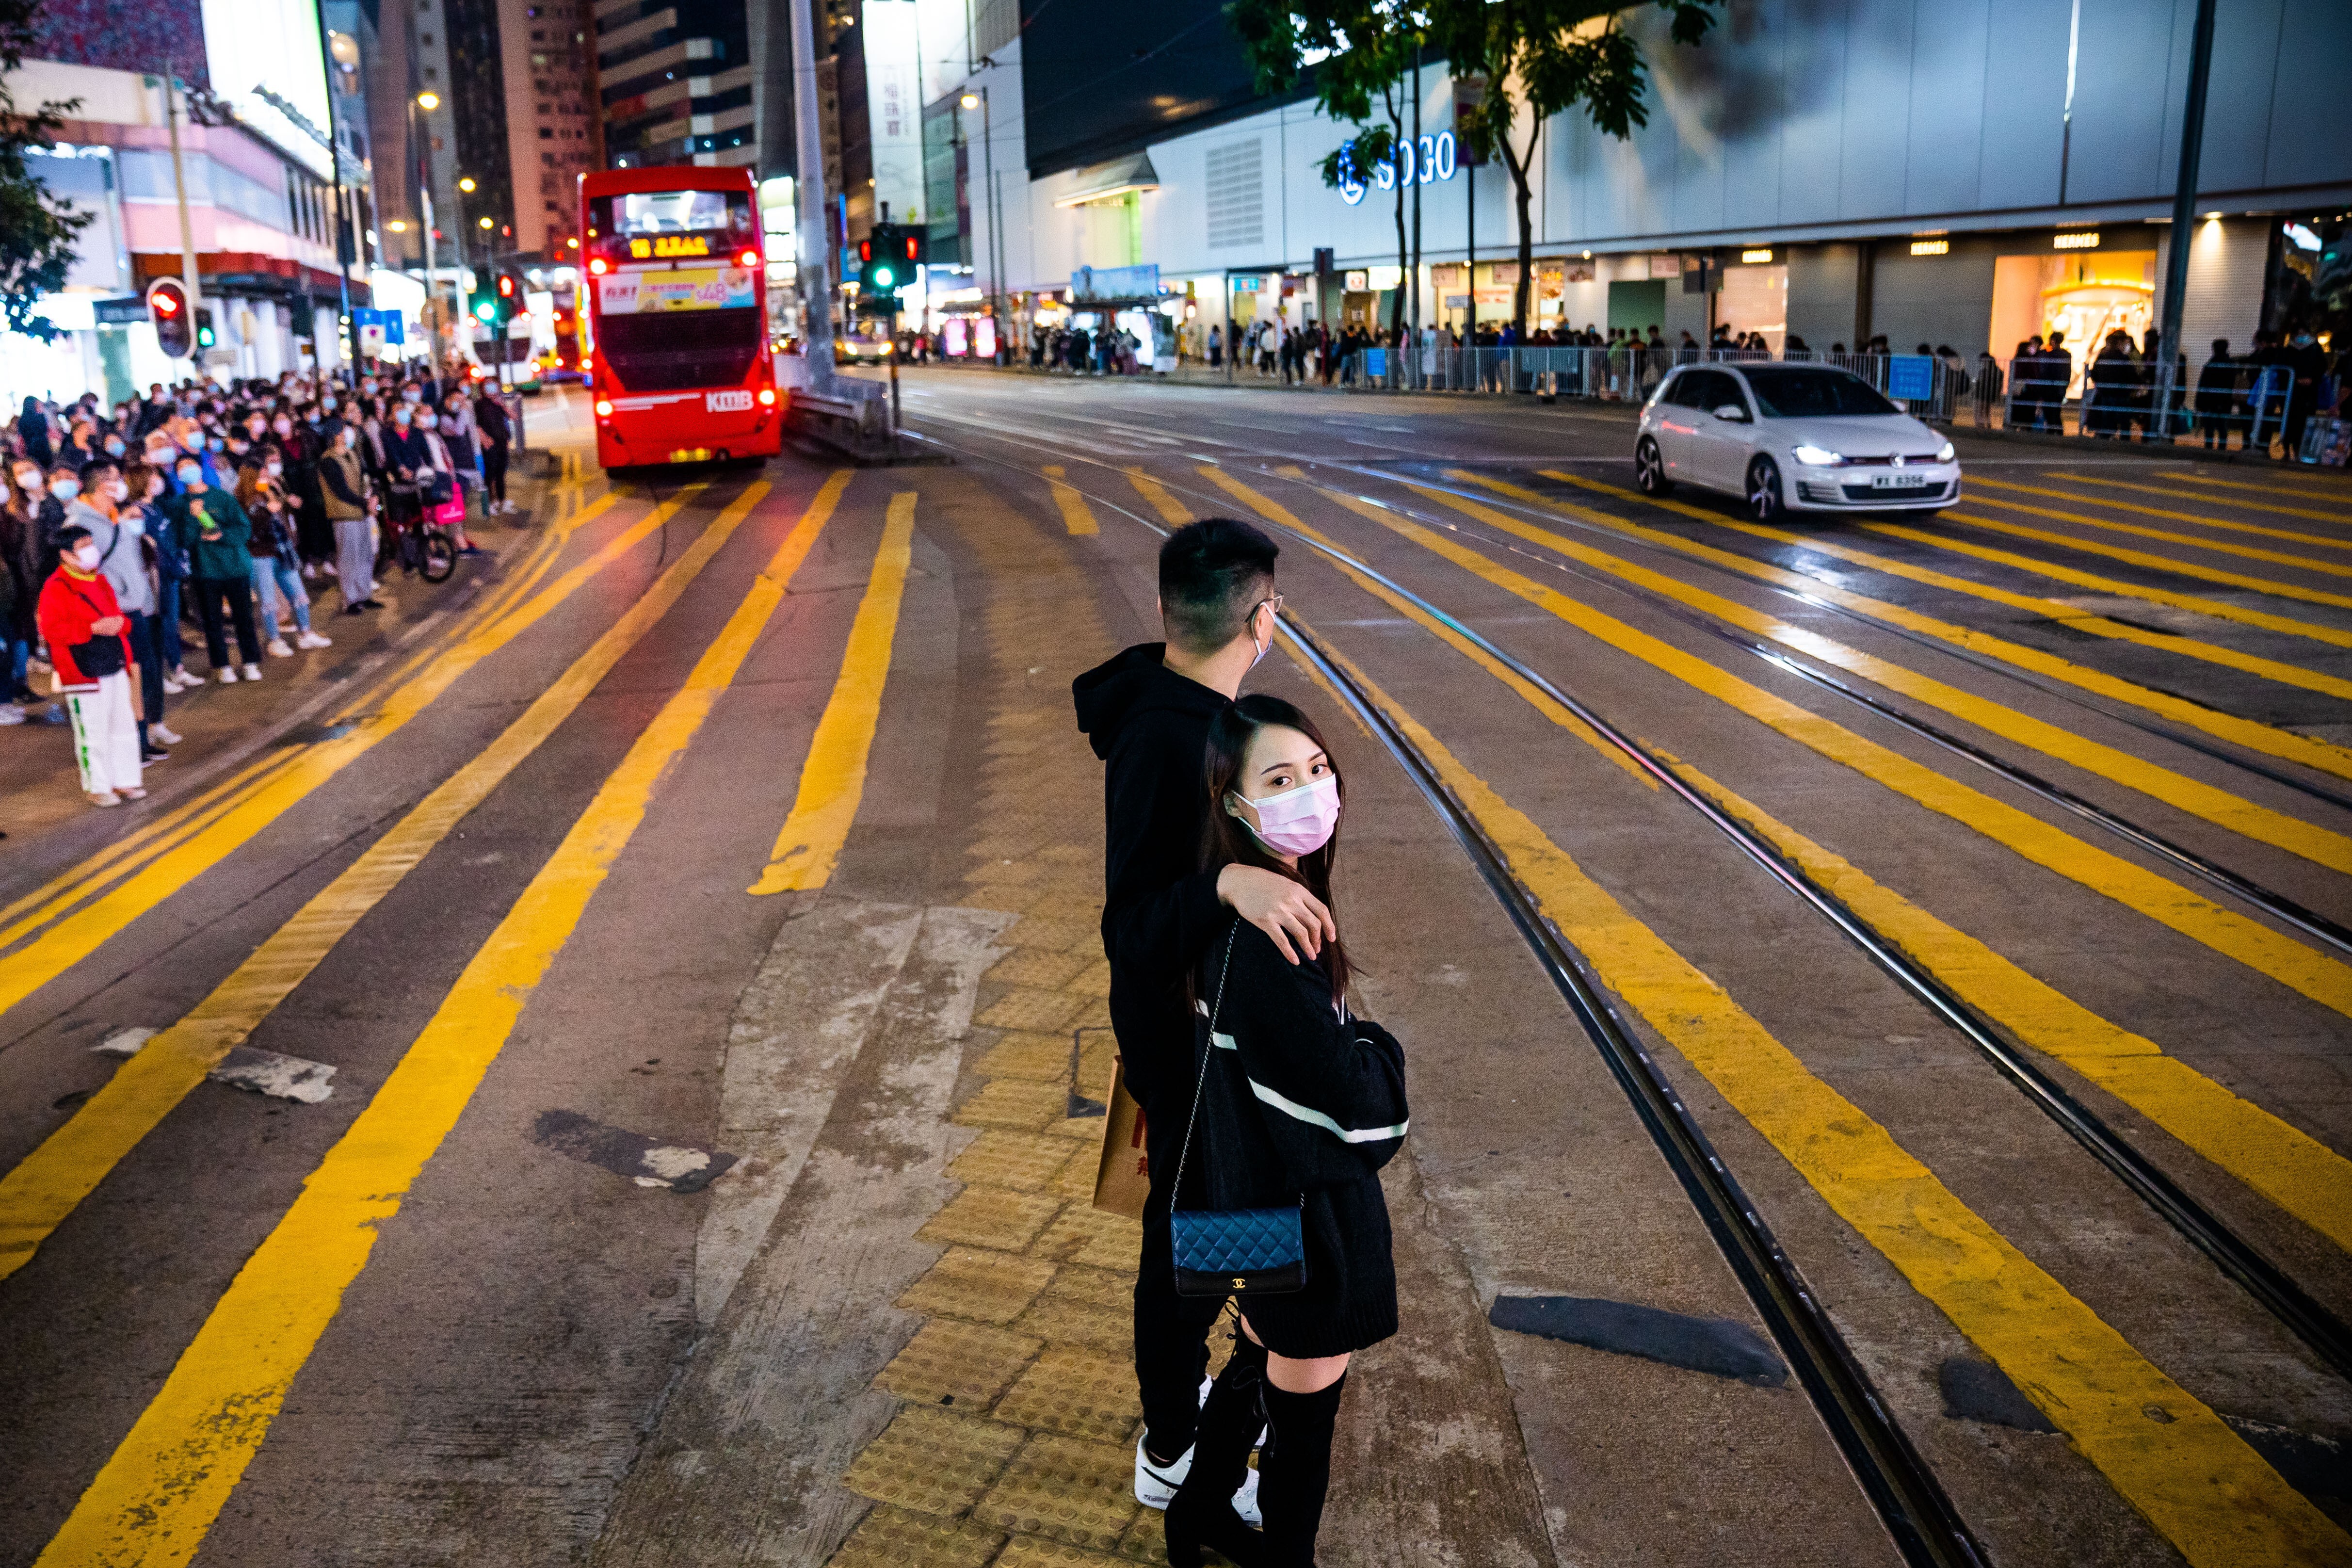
<point x="2191" y="517"/>
<point x="36" y="1196"/>
<point x="2275" y="557"/>
<point x="2218" y="608"/>
<point x="78" y="936"/>
<point x="2322" y="755"/>
<point x="1171" y="511"/>
<point x="2167" y="902"/>
<point x="2165" y="1451"/>
<point x="2286" y="1165"/>
<point x="2259" y="489"/>
<point x="1075" y="515"/>
<point x="2141" y="557"/>
<point x="832" y="779"/>
<point x="2070" y="616"/>
<point x="161" y="1490"/>
<point x="1535" y="696"/>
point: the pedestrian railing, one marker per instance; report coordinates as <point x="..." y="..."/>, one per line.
<point x="2222" y="403"/>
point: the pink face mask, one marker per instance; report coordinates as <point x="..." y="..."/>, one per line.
<point x="1297" y="821"/>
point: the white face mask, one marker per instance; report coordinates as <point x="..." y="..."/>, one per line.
<point x="119" y="490"/>
<point x="65" y="489"/>
<point x="276" y="469"/>
<point x="85" y="556"/>
<point x="427" y="422"/>
<point x="29" y="481"/>
<point x="190" y="473"/>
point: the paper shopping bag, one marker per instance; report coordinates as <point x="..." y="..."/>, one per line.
<point x="1123" y="1178"/>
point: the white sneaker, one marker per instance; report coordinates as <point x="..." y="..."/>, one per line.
<point x="227" y="674"/>
<point x="312" y="639"/>
<point x="1156" y="1484"/>
<point x="107" y="797"/>
<point x="10" y="714"/>
<point x="277" y="649"/>
<point x="253" y="672"/>
<point x="165" y="733"/>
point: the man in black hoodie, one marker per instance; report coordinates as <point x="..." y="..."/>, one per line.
<point x="1146" y="714"/>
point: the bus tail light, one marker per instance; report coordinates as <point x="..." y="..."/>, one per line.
<point x="603" y="408"/>
<point x="767" y="398"/>
<point x="596" y="266"/>
<point x="749" y="259"/>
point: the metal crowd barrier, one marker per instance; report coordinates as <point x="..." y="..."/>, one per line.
<point x="2131" y="399"/>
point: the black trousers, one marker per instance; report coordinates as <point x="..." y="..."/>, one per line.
<point x="494" y="470"/>
<point x="1171" y="1332"/>
<point x="238" y="592"/>
<point x="147" y="648"/>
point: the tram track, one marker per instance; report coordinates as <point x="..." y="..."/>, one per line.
<point x="2322" y="1331"/>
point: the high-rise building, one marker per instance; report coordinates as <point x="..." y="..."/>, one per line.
<point x="551" y="134"/>
<point x="676" y="81"/>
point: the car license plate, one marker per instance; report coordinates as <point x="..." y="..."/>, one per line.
<point x="1899" y="481"/>
<point x="726" y="402"/>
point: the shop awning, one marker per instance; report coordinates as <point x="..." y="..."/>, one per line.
<point x="1100" y="181"/>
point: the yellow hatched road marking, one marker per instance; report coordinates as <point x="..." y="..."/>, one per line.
<point x="2196" y="1480"/>
<point x="75" y="937"/>
<point x="159" y="1491"/>
<point x="2200" y="918"/>
<point x="2275" y="557"/>
<point x="2070" y="616"/>
<point x="1532" y="694"/>
<point x="2322" y="755"/>
<point x="2218" y="608"/>
<point x="1171" y="511"/>
<point x="2140" y="557"/>
<point x="832" y="779"/>
<point x="36" y="1196"/>
<point x="1075" y="515"/>
<point x="2286" y="1165"/>
<point x="2251" y="528"/>
<point x="2199" y="799"/>
<point x="2258" y="490"/>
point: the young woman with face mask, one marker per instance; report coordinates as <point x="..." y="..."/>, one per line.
<point x="20" y="543"/>
<point x="215" y="529"/>
<point x="1298" y="1104"/>
<point x="277" y="573"/>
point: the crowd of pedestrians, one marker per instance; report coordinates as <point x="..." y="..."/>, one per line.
<point x="1264" y="1095"/>
<point x="211" y="515"/>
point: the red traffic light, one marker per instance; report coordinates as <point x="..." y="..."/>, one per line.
<point x="167" y="305"/>
<point x="175" y="325"/>
<point x="913" y="246"/>
<point x="506" y="287"/>
<point x="865" y="250"/>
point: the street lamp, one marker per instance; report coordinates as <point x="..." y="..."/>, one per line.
<point x="996" y="226"/>
<point x="429" y="102"/>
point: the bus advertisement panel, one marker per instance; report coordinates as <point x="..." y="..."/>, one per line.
<point x="672" y="325"/>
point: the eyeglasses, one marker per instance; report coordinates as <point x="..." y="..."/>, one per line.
<point x="1275" y="600"/>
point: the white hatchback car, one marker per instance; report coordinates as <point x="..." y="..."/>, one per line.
<point x="1792" y="437"/>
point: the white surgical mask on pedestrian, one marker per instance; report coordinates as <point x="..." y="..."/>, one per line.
<point x="276" y="469"/>
<point x="1297" y="821"/>
<point x="118" y="490"/>
<point x="190" y="473"/>
<point x="85" y="556"/>
<point x="65" y="489"/>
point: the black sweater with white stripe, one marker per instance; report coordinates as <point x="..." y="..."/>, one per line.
<point x="1300" y="1100"/>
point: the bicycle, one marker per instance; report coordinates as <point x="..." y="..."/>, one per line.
<point x="421" y="544"/>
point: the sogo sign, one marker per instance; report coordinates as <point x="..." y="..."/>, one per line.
<point x="1431" y="162"/>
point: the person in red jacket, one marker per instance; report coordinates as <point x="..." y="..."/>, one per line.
<point x="91" y="653"/>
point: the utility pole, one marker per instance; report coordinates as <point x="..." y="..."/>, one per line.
<point x="1420" y="176"/>
<point x="2184" y="209"/>
<point x="180" y="191"/>
<point x="815" y="261"/>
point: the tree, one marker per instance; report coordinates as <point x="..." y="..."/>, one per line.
<point x="37" y="231"/>
<point x="1360" y="52"/>
<point x="1542" y="58"/>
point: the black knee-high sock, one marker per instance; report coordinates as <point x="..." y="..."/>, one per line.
<point x="1294" y="1470"/>
<point x="1229" y="1425"/>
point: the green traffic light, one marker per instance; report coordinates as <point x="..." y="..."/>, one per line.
<point x="486" y="311"/>
<point x="882" y="277"/>
<point x="203" y="337"/>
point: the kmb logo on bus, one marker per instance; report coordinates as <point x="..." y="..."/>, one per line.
<point x="726" y="402"/>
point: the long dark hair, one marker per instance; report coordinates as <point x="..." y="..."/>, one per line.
<point x="1225" y="840"/>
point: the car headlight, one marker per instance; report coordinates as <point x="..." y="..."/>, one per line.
<point x="1946" y="453"/>
<point x="1816" y="457"/>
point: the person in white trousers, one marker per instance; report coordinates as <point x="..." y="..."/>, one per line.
<point x="92" y="656"/>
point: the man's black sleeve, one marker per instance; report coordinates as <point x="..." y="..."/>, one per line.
<point x="1162" y="912"/>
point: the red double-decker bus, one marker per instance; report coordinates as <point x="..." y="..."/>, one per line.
<point x="674" y="319"/>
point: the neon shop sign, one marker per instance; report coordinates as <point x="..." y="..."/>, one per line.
<point x="1432" y="161"/>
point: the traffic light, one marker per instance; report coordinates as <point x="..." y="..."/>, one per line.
<point x="204" y="326"/>
<point x="888" y="257"/>
<point x="167" y="307"/>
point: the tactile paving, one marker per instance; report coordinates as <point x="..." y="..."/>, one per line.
<point x="1097" y="1287"/>
<point x="1059" y="933"/>
<point x="1087" y="1130"/>
<point x="968" y="1365"/>
<point x="1031" y="1551"/>
<point x="1094" y="1014"/>
<point x="1075" y="1391"/>
<point x="1038" y="966"/>
<point x="1018" y="873"/>
<point x="1025" y="1161"/>
<point x="1082" y="1234"/>
<point x="1027" y="1008"/>
<point x="1023" y="1053"/>
<point x="985" y="1286"/>
<point x="1146" y="1541"/>
<point x="1062" y="1321"/>
<point x="1013" y="1104"/>
<point x="1076" y="1178"/>
<point x="1073" y="1491"/>
<point x="897" y="1538"/>
<point x="992" y="1217"/>
<point x="1070" y="904"/>
<point x="1097" y="1055"/>
<point x="1094" y="980"/>
<point x="934" y="1460"/>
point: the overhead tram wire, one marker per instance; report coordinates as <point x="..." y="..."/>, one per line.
<point x="2321" y="1331"/>
<point x="1910" y="1502"/>
<point x="2158" y="728"/>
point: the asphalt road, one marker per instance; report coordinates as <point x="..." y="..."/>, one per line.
<point x="652" y="1218"/>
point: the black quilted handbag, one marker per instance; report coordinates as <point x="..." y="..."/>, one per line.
<point x="1233" y="1252"/>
